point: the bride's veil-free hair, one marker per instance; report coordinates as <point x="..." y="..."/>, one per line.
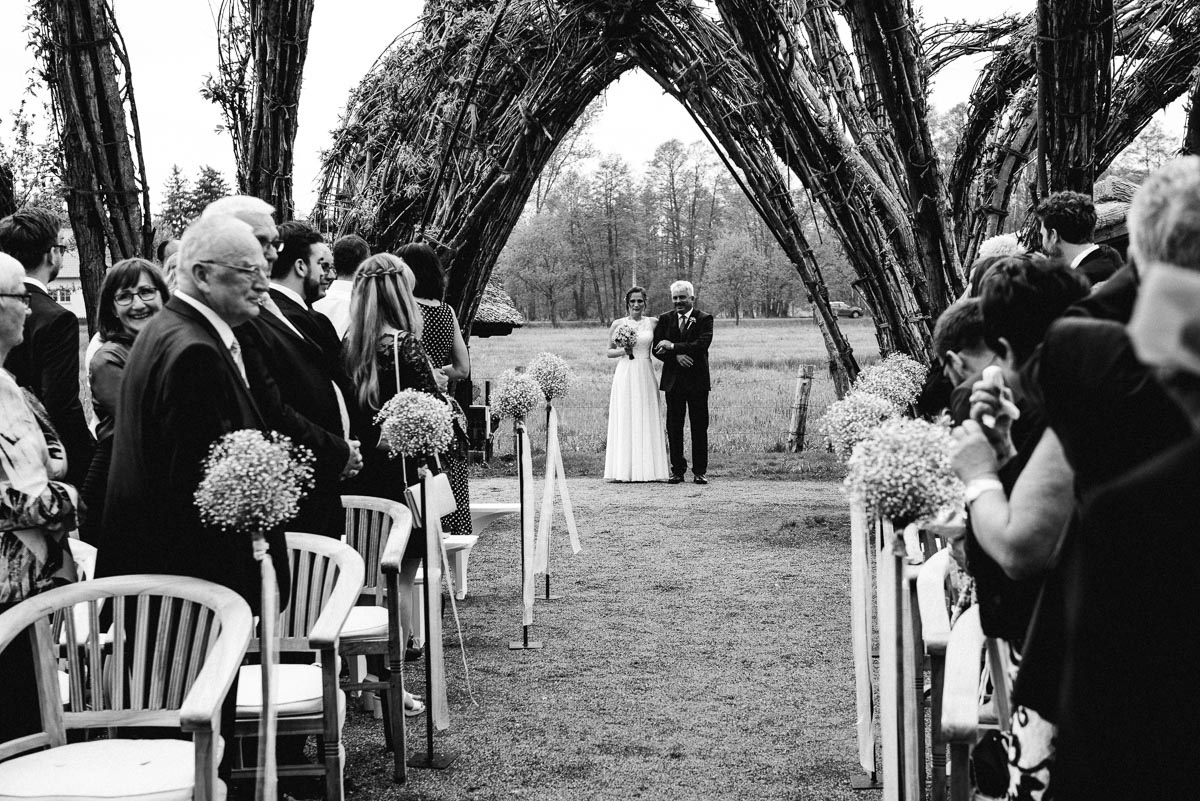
<point x="382" y="295"/>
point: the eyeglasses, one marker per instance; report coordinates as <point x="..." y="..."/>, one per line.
<point x="274" y="243"/>
<point x="145" y="294"/>
<point x="259" y="270"/>
<point x="21" y="296"/>
<point x="62" y="249"/>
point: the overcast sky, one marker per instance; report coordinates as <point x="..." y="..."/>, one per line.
<point x="172" y="46"/>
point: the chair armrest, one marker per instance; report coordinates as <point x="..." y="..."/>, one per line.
<point x="964" y="666"/>
<point x="328" y="626"/>
<point x="931" y="599"/>
<point x="201" y="707"/>
<point x="397" y="542"/>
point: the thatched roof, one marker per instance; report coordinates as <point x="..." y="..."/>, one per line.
<point x="1112" y="197"/>
<point x="497" y="315"/>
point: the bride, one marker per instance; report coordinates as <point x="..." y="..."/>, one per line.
<point x="637" y="449"/>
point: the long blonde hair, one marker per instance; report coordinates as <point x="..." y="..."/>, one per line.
<point x="382" y="295"/>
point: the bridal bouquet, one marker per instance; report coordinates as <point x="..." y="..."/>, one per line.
<point x="415" y="423"/>
<point x="849" y="421"/>
<point x="626" y="336"/>
<point x="902" y="470"/>
<point x="897" y="378"/>
<point x="253" y="482"/>
<point x="516" y="394"/>
<point x="551" y="373"/>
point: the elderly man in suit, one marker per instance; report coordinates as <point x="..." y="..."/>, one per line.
<point x="47" y="362"/>
<point x="681" y="341"/>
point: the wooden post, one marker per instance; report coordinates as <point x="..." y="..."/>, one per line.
<point x="799" y="419"/>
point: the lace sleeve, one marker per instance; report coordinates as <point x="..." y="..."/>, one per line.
<point x="415" y="372"/>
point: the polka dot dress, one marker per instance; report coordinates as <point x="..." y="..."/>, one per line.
<point x="438" y="338"/>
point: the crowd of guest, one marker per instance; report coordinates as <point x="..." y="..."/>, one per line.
<point x="241" y="323"/>
<point x="1082" y="468"/>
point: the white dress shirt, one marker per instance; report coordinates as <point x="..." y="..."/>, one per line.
<point x="336" y="305"/>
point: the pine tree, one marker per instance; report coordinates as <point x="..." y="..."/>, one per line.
<point x="210" y="185"/>
<point x="176" y="202"/>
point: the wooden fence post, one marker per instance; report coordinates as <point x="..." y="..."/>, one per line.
<point x="799" y="419"/>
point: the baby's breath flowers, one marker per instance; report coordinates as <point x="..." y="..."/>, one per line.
<point x="848" y="421"/>
<point x="253" y="482"/>
<point x="625" y="336"/>
<point x="902" y="470"/>
<point x="516" y="395"/>
<point x="897" y="378"/>
<point x="415" y="423"/>
<point x="552" y="373"/>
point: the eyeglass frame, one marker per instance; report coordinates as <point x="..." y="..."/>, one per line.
<point x="24" y="297"/>
<point x="128" y="299"/>
<point x="260" y="270"/>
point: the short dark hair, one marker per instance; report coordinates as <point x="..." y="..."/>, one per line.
<point x="162" y="248"/>
<point x="1072" y="214"/>
<point x="427" y="268"/>
<point x="979" y="271"/>
<point x="297" y="238"/>
<point x="123" y="275"/>
<point x="1022" y="296"/>
<point x="28" y="234"/>
<point x="633" y="289"/>
<point x="959" y="328"/>
<point x="349" y="252"/>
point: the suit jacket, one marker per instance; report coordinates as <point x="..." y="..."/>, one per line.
<point x="1100" y="264"/>
<point x="182" y="391"/>
<point x="1131" y="676"/>
<point x="694" y="342"/>
<point x="1113" y="301"/>
<point x="47" y="362"/>
<point x="290" y="377"/>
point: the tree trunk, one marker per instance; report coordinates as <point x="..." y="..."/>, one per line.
<point x="1191" y="136"/>
<point x="89" y="77"/>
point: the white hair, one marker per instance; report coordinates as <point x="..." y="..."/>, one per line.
<point x="10" y="268"/>
<point x="220" y="238"/>
<point x="237" y="206"/>
<point x="1000" y="245"/>
<point x="1164" y="218"/>
<point x="691" y="290"/>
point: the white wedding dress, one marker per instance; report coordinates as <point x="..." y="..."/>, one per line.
<point x="637" y="445"/>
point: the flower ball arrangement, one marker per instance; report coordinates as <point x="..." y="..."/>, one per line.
<point x="516" y="395"/>
<point x="415" y="423"/>
<point x="625" y="336"/>
<point x="902" y="470"/>
<point x="848" y="421"/>
<point x="253" y="482"/>
<point x="897" y="378"/>
<point x="551" y="373"/>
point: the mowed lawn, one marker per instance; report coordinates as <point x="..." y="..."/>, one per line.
<point x="754" y="367"/>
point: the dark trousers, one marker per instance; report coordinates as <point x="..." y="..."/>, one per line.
<point x="695" y="405"/>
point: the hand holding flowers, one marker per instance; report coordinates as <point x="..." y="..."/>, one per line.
<point x="625" y="336"/>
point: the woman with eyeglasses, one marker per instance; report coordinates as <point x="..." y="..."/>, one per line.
<point x="637" y="446"/>
<point x="133" y="292"/>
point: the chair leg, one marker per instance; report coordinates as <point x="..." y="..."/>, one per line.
<point x="394" y="728"/>
<point x="937" y="669"/>
<point x="334" y="758"/>
<point x="460" y="573"/>
<point x="960" y="772"/>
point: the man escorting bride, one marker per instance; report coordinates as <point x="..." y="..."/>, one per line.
<point x="637" y="450"/>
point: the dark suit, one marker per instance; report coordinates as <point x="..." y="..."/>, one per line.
<point x="686" y="387"/>
<point x="1100" y="264"/>
<point x="1113" y="301"/>
<point x="299" y="401"/>
<point x="47" y="362"/>
<point x="1131" y="677"/>
<point x="182" y="391"/>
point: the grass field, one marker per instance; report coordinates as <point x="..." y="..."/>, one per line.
<point x="753" y="365"/>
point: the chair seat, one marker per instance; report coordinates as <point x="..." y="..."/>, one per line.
<point x="297" y="692"/>
<point x="145" y="770"/>
<point x="365" y="622"/>
<point x="484" y="514"/>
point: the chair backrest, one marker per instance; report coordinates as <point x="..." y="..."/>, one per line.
<point x="170" y="635"/>
<point x="327" y="577"/>
<point x="371" y="525"/>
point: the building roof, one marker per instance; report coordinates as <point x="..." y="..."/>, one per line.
<point x="497" y="315"/>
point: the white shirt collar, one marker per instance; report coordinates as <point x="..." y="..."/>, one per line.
<point x="340" y="287"/>
<point x="1083" y="255"/>
<point x="37" y="283"/>
<point x="223" y="329"/>
<point x="290" y="293"/>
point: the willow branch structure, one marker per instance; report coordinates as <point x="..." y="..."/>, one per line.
<point x="445" y="138"/>
<point x="87" y="70"/>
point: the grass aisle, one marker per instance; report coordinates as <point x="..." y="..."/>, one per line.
<point x="701" y="650"/>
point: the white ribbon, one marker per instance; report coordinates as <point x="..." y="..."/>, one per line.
<point x="555" y="474"/>
<point x="266" y="784"/>
<point x="526" y="468"/>
<point x="860" y="632"/>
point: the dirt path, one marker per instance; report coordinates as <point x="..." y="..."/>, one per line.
<point x="701" y="650"/>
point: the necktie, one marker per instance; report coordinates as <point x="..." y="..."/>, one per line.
<point x="235" y="350"/>
<point x="683" y="322"/>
